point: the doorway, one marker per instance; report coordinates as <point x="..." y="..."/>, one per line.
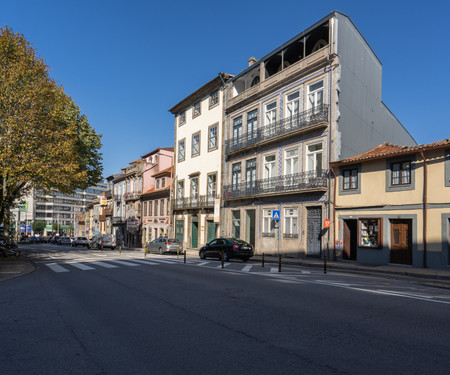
<point x="194" y="233"/>
<point x="314" y="228"/>
<point x="401" y="241"/>
<point x="211" y="230"/>
<point x="179" y="230"/>
<point x="350" y="239"/>
<point x="250" y="227"/>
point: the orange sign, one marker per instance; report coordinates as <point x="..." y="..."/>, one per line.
<point x="327" y="223"/>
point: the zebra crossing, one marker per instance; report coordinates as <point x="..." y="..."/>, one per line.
<point x="103" y="261"/>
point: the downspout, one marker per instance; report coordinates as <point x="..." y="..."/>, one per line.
<point x="334" y="212"/>
<point x="223" y="177"/>
<point x="425" y="207"/>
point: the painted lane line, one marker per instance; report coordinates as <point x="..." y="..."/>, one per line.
<point x="145" y="262"/>
<point x="56" y="267"/>
<point x="247" y="269"/>
<point x="105" y="265"/>
<point x="224" y="265"/>
<point x="122" y="262"/>
<point x="80" y="266"/>
<point x="202" y="264"/>
<point x="273" y="269"/>
<point x="306" y="272"/>
<point x="163" y="261"/>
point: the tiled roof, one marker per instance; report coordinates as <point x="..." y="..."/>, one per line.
<point x="167" y="170"/>
<point x="388" y="149"/>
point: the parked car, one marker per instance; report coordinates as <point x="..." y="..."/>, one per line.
<point x="165" y="245"/>
<point x="80" y="241"/>
<point x="103" y="240"/>
<point x="231" y="248"/>
<point x="64" y="241"/>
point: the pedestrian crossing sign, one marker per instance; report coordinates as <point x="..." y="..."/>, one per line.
<point x="276" y="214"/>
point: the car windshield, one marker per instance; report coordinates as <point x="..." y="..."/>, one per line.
<point x="172" y="240"/>
<point x="236" y="240"/>
<point x="82" y="238"/>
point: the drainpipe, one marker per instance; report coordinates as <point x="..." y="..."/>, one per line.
<point x="223" y="177"/>
<point x="334" y="212"/>
<point x="425" y="207"/>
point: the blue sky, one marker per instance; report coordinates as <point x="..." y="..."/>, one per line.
<point x="125" y="63"/>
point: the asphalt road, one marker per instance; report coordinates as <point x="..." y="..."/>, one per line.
<point x="88" y="312"/>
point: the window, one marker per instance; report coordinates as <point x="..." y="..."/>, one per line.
<point x="161" y="207"/>
<point x="269" y="166"/>
<point x="157" y="183"/>
<point x="250" y="173"/>
<point x="268" y="224"/>
<point x="196" y="144"/>
<point x="180" y="190"/>
<point x="350" y="179"/>
<point x="212" y="188"/>
<point x="145" y="208"/>
<point x="213" y="99"/>
<point x="182" y="117"/>
<point x="370" y="232"/>
<point x="212" y="137"/>
<point x="252" y="124"/>
<point x="156" y="209"/>
<point x="290" y="222"/>
<point x="401" y="173"/>
<point x="447" y="170"/>
<point x="163" y="182"/>
<point x="271" y="113"/>
<point x="235" y="176"/>
<point x="237" y="130"/>
<point x="181" y="150"/>
<point x="194" y="189"/>
<point x="314" y="159"/>
<point x="315" y="96"/>
<point x="292" y="109"/>
<point x="291" y="161"/>
<point x="196" y="109"/>
<point x="236" y="223"/>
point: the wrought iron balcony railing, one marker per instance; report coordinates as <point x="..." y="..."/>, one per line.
<point x="131" y="196"/>
<point x="280" y="184"/>
<point x="118" y="220"/>
<point x="287" y="125"/>
<point x="117" y="197"/>
<point x="202" y="201"/>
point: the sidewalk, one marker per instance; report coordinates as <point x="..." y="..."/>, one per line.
<point x="11" y="268"/>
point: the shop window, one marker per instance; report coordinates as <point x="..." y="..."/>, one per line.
<point x="370" y="232"/>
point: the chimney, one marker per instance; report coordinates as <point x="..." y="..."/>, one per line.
<point x="251" y="61"/>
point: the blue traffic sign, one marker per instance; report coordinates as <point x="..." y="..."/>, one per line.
<point x="276" y="214"/>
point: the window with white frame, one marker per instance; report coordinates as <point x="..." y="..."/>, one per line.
<point x="161" y="207"/>
<point x="196" y="109"/>
<point x="157" y="183"/>
<point x="350" y="179"/>
<point x="212" y="190"/>
<point x="194" y="188"/>
<point x="156" y="208"/>
<point x="182" y="117"/>
<point x="291" y="161"/>
<point x="250" y="173"/>
<point x="163" y="182"/>
<point x="214" y="98"/>
<point x="196" y="144"/>
<point x="269" y="166"/>
<point x="268" y="224"/>
<point x="314" y="159"/>
<point x="150" y="209"/>
<point x="271" y="113"/>
<point x="212" y="137"/>
<point x="315" y="96"/>
<point x="292" y="109"/>
<point x="401" y="173"/>
<point x="181" y="150"/>
<point x="290" y="222"/>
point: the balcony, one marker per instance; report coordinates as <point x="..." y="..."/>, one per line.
<point x="202" y="201"/>
<point x="280" y="129"/>
<point x="131" y="196"/>
<point x="298" y="182"/>
<point x="117" y="197"/>
<point x="118" y="220"/>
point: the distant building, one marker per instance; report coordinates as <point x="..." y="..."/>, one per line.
<point x="392" y="205"/>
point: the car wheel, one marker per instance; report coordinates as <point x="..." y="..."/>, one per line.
<point x="202" y="255"/>
<point x="226" y="256"/>
<point x="245" y="258"/>
<point x="112" y="248"/>
<point x="161" y="250"/>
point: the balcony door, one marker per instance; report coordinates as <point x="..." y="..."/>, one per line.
<point x="250" y="174"/>
<point x="314" y="159"/>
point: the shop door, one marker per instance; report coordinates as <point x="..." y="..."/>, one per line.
<point x="350" y="239"/>
<point x="314" y="228"/>
<point x="401" y="242"/>
<point x="250" y="227"/>
<point x="211" y="230"/>
<point x="194" y="235"/>
<point x="179" y="230"/>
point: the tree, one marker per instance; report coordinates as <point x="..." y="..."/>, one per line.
<point x="45" y="141"/>
<point x="39" y="226"/>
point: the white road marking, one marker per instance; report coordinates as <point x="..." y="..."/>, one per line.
<point x="123" y="262"/>
<point x="145" y="262"/>
<point x="246" y="268"/>
<point x="80" y="266"/>
<point x="202" y="263"/>
<point x="105" y="265"/>
<point x="224" y="265"/>
<point x="56" y="267"/>
<point x="273" y="269"/>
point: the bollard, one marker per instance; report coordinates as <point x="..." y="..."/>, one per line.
<point x="279" y="263"/>
<point x="222" y="259"/>
<point x="120" y="249"/>
<point x="145" y="251"/>
<point x="324" y="264"/>
<point x="263" y="259"/>
<point x="178" y="253"/>
<point x="184" y="256"/>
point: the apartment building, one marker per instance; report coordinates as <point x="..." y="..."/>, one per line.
<point x="157" y="185"/>
<point x="313" y="100"/>
<point x="392" y="205"/>
<point x="198" y="163"/>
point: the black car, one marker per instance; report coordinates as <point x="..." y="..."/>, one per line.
<point x="231" y="248"/>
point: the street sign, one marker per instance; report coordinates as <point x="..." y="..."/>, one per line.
<point x="327" y="223"/>
<point x="276" y="214"/>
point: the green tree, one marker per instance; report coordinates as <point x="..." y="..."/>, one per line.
<point x="39" y="226"/>
<point x="45" y="141"/>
